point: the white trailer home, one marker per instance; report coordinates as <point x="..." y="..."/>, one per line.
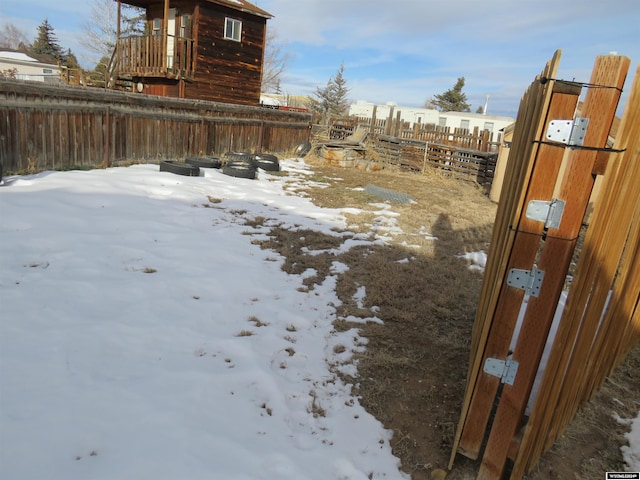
<point x="24" y="67"/>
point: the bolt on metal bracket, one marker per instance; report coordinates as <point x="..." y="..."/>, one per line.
<point x="548" y="212"/>
<point x="528" y="280"/>
<point x="505" y="370"/>
<point x="569" y="132"/>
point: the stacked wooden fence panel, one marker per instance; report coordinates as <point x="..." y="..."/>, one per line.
<point x="601" y="320"/>
<point x="599" y="316"/>
<point x="574" y="186"/>
<point x="533" y="109"/>
<point x="46" y="127"/>
<point x="462" y="154"/>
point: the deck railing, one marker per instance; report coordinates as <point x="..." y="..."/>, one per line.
<point x="151" y="56"/>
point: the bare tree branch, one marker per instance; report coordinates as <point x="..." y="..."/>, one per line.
<point x="12" y="37"/>
<point x="276" y="60"/>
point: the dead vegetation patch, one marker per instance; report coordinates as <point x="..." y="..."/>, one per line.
<point x="412" y="374"/>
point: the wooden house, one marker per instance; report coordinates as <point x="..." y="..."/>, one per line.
<point x="200" y="49"/>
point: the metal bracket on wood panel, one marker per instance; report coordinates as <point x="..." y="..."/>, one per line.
<point x="569" y="132"/>
<point x="548" y="212"/>
<point x="528" y="280"/>
<point x="505" y="370"/>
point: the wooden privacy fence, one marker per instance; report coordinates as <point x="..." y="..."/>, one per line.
<point x="549" y="178"/>
<point x="46" y="127"/>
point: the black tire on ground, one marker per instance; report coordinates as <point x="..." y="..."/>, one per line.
<point x="204" y="162"/>
<point x="239" y="156"/>
<point x="303" y="149"/>
<point x="240" y="169"/>
<point x="266" y="162"/>
<point x="180" y="168"/>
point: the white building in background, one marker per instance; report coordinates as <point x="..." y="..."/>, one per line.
<point x="28" y="68"/>
<point x="411" y="115"/>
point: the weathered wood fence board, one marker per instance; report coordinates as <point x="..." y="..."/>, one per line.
<point x="461" y="154"/>
<point x="476" y="139"/>
<point x="47" y="127"/>
<point x="450" y="160"/>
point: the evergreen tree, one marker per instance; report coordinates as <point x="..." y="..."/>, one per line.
<point x="332" y="99"/>
<point x="453" y="100"/>
<point x="46" y="43"/>
<point x="97" y="77"/>
<point x="70" y="60"/>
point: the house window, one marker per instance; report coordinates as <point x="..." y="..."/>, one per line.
<point x="488" y="126"/>
<point x="232" y="29"/>
<point x="155" y="29"/>
<point x="442" y="121"/>
<point x="47" y="71"/>
<point x="185" y="26"/>
<point x="464" y="124"/>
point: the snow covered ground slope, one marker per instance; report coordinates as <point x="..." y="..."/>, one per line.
<point x="144" y="335"/>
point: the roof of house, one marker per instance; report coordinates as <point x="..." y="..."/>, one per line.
<point x="479" y="116"/>
<point x="25" y="59"/>
<point x="240" y="5"/>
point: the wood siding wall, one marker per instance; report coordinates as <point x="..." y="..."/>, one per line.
<point x="227" y="71"/>
<point x="61" y="127"/>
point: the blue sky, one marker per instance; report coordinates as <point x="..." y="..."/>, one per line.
<point x="406" y="51"/>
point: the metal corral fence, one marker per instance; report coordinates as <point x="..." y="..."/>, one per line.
<point x="51" y="127"/>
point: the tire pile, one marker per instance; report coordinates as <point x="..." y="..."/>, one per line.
<point x="245" y="165"/>
<point x="235" y="164"/>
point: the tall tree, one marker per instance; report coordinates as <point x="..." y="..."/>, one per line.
<point x="453" y="100"/>
<point x="46" y="42"/>
<point x="12" y="37"/>
<point x="276" y="60"/>
<point x="332" y="99"/>
<point x="100" y="30"/>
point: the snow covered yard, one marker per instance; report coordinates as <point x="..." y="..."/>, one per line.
<point x="145" y="333"/>
<point x="145" y="336"/>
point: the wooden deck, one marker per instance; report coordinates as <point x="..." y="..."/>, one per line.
<point x="149" y="56"/>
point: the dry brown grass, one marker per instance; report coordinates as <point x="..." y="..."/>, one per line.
<point x="412" y="373"/>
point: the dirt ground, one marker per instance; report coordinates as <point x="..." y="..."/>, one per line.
<point x="412" y="374"/>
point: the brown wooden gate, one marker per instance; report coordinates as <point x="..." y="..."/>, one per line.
<point x="554" y="159"/>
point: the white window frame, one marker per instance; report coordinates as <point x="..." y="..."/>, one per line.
<point x="464" y="124"/>
<point x="232" y="29"/>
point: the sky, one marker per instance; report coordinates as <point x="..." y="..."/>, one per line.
<point x="406" y="51"/>
<point x="165" y="343"/>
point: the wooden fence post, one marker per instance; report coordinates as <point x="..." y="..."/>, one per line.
<point x="107" y="137"/>
<point x="388" y="126"/>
